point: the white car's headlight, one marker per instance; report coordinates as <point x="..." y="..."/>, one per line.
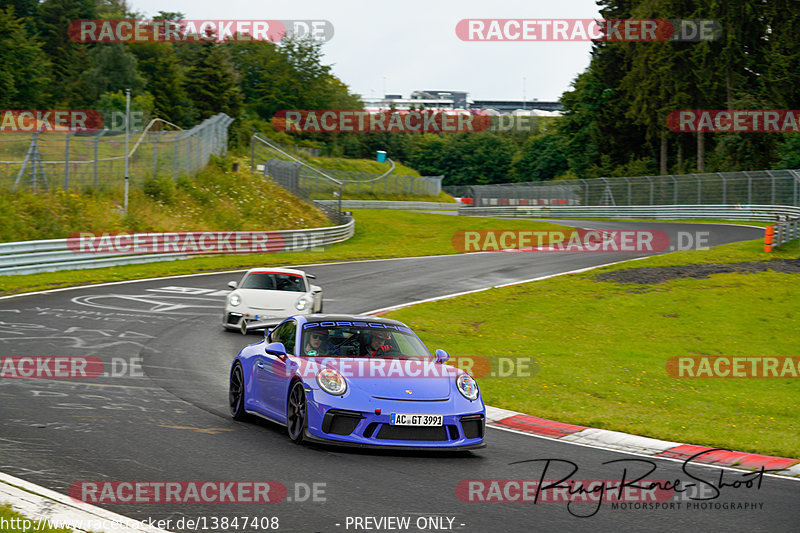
<point x="331" y="381"/>
<point x="302" y="303"/>
<point x="467" y="386"/>
<point x="234" y="300"/>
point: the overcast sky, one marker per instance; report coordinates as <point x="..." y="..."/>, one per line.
<point x="409" y="45"/>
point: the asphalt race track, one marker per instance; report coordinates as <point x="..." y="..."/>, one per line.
<point x="162" y="413"/>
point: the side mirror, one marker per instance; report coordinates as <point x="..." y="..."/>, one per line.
<point x="315" y="289"/>
<point x="232" y="284"/>
<point x="311" y="276"/>
<point x="276" y="348"/>
<point x="441" y="356"/>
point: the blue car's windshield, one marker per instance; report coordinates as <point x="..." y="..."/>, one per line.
<point x="361" y="339"/>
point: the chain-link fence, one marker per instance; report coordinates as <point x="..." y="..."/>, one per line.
<point x="321" y="184"/>
<point x="53" y="160"/>
<point x="767" y="187"/>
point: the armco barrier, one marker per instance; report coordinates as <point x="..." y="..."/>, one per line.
<point x="764" y="213"/>
<point x="30" y="257"/>
<point x="388" y="204"/>
<point x="781" y="234"/>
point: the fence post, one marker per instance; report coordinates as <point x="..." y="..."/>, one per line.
<point x="630" y="201"/>
<point x="724" y="188"/>
<point x="675" y="194"/>
<point x="66" y="161"/>
<point x="773" y="187"/>
<point x="252" y="153"/>
<point x="749" y="188"/>
<point x="175" y="157"/>
<point x="586" y="183"/>
<point x="699" y="189"/>
<point x="96" y="142"/>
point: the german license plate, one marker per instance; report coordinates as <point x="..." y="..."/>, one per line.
<point x="400" y="419"/>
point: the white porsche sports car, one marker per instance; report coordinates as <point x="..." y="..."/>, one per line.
<point x="265" y="296"/>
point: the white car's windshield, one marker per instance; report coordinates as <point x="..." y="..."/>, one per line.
<point x="273" y="281"/>
<point x="361" y="339"/>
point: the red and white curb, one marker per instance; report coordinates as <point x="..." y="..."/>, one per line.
<point x="45" y="507"/>
<point x="635" y="444"/>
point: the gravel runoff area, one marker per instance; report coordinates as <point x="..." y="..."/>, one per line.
<point x="654" y="275"/>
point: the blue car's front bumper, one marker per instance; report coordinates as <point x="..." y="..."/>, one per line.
<point x="333" y="420"/>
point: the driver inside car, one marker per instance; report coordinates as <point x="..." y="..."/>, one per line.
<point x="378" y="342"/>
<point x="316" y="343"/>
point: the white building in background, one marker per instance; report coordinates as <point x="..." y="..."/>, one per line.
<point x="459" y="100"/>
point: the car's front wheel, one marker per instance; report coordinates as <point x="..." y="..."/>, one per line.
<point x="236" y="393"/>
<point x="296" y="412"/>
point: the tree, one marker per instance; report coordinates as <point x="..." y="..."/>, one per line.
<point x="25" y="75"/>
<point x="68" y="58"/>
<point x="210" y="81"/>
<point x="112" y="68"/>
<point x="164" y="78"/>
<point x="541" y="158"/>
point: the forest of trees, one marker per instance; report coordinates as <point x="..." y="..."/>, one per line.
<point x="614" y="113"/>
<point x="182" y="83"/>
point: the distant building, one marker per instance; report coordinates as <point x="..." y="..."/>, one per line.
<point x="453" y="100"/>
<point x="505" y="106"/>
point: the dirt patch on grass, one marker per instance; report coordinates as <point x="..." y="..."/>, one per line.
<point x="654" y="275"/>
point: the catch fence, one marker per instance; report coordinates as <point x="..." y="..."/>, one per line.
<point x="57" y="160"/>
<point x="762" y="187"/>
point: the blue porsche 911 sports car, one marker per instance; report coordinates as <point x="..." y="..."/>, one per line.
<point x="359" y="381"/>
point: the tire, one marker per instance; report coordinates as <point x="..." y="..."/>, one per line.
<point x="296" y="412"/>
<point x="320" y="307"/>
<point x="236" y="393"/>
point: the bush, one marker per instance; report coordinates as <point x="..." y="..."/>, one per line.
<point x="161" y="189"/>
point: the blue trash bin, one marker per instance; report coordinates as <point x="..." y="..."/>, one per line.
<point x="381" y="156"/>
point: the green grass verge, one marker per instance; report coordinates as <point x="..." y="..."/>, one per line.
<point x="360" y="165"/>
<point x="601" y="349"/>
<point x="7" y="514"/>
<point x="379" y="234"/>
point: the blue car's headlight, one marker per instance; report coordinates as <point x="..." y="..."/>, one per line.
<point x="467" y="386"/>
<point x="331" y="381"/>
<point x="234" y="300"/>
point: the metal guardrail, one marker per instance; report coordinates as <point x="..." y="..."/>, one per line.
<point x="766" y="213"/>
<point x="30" y="257"/>
<point x="784" y="232"/>
<point x="388" y="204"/>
